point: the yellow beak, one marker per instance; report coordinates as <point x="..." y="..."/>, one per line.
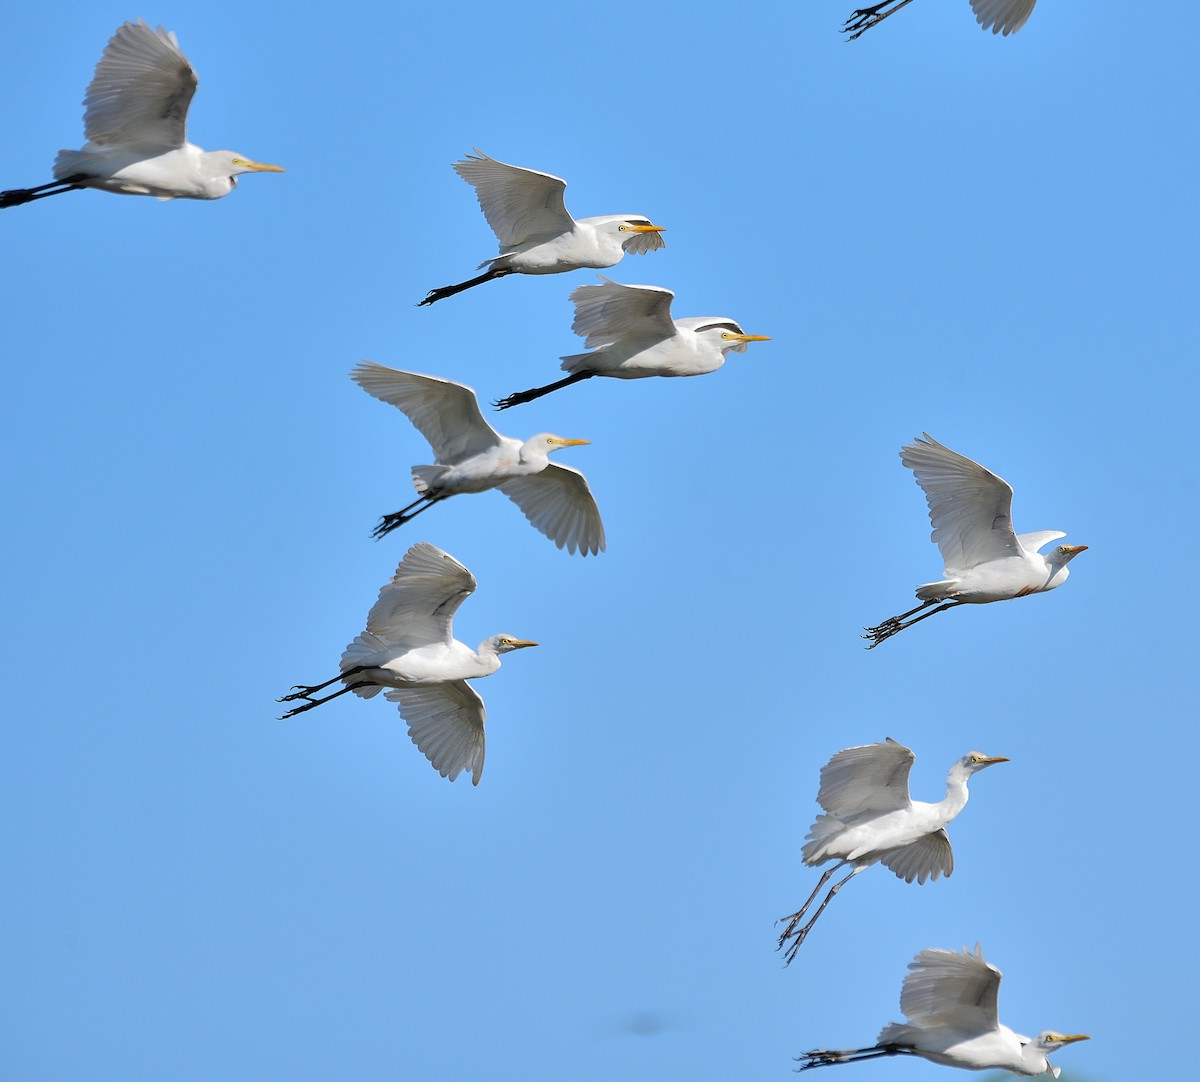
<point x="996" y="759"/>
<point x="573" y="443"/>
<point x="646" y="228"/>
<point x="1073" y="1037"/>
<point x="259" y="167"/>
<point x="1073" y="549"/>
<point x="518" y="644"/>
<point x="750" y="337"/>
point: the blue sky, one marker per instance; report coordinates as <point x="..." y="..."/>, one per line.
<point x="988" y="239"/>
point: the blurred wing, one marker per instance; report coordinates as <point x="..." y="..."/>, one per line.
<point x="417" y="607"/>
<point x="445" y="413"/>
<point x="970" y="507"/>
<point x="610" y="311"/>
<point x="141" y="91"/>
<point x="641" y="243"/>
<point x="927" y="858"/>
<point x="946" y="988"/>
<point x="1002" y="16"/>
<point x="869" y="778"/>
<point x="518" y="203"/>
<point x="1033" y="542"/>
<point x="559" y="504"/>
<point x="446" y="722"/>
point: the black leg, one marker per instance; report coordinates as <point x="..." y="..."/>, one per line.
<point x="448" y="291"/>
<point x="889" y="627"/>
<point x="798" y="916"/>
<point x="318" y="702"/>
<point x="304" y="691"/>
<point x="822" y="1057"/>
<point x="398" y="518"/>
<point x="864" y="18"/>
<point x="799" y="937"/>
<point x="521" y="397"/>
<point x="14" y="197"/>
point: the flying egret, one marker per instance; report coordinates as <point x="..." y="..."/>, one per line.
<point x="135" y="119"/>
<point x="971" y="512"/>
<point x="999" y="16"/>
<point x="949" y="1000"/>
<point x="631" y="334"/>
<point x="870" y="818"/>
<point x="472" y="457"/>
<point x="409" y="648"/>
<point x="537" y="236"/>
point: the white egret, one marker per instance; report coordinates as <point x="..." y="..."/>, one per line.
<point x="632" y="335"/>
<point x="949" y="1000"/>
<point x="971" y="512"/>
<point x="409" y="648"/>
<point x="472" y="457"/>
<point x="135" y="119"/>
<point x="537" y="236"/>
<point x="999" y="16"/>
<point x="870" y="818"/>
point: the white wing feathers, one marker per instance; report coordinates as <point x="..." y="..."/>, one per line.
<point x="417" y="607"/>
<point x="927" y="858"/>
<point x="946" y="988"/>
<point x="446" y="721"/>
<point x="969" y="506"/>
<point x="444" y="412"/>
<point x="610" y="311"/>
<point x="870" y="778"/>
<point x="518" y="203"/>
<point x="559" y="504"/>
<point x="140" y="93"/>
<point x="1002" y="16"/>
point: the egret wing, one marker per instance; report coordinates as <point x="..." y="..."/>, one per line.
<point x="417" y="607"/>
<point x="868" y="778"/>
<point x="446" y="721"/>
<point x="927" y="858"/>
<point x="444" y="412"/>
<point x="518" y="203"/>
<point x="611" y="311"/>
<point x="1002" y="16"/>
<point x="559" y="504"/>
<point x="140" y="93"/>
<point x="948" y="988"/>
<point x="1038" y="539"/>
<point x="969" y="506"/>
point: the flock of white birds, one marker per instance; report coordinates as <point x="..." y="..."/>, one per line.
<point x="135" y="122"/>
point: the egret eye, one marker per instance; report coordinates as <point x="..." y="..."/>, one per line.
<point x="622" y="229"/>
<point x="974" y="758"/>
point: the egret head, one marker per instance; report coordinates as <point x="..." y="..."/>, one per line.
<point x="229" y="163"/>
<point x="974" y="761"/>
<point x="724" y="334"/>
<point x="633" y="232"/>
<point x="504" y="644"/>
<point x="546" y="442"/>
<point x="1064" y="554"/>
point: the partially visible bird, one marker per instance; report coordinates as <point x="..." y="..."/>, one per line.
<point x="472" y="457"/>
<point x="135" y="121"/>
<point x="986" y="560"/>
<point x="870" y="818"/>
<point x="409" y="648"/>
<point x="537" y="236"/>
<point x="999" y="16"/>
<point x="631" y="334"/>
<point x="949" y="1000"/>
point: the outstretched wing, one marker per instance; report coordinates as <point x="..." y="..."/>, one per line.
<point x="970" y="507"/>
<point x="948" y="988"/>
<point x="417" y="607"/>
<point x="446" y="721"/>
<point x="610" y="311"/>
<point x="868" y="778"/>
<point x="559" y="504"/>
<point x="1038" y="539"/>
<point x="444" y="412"/>
<point x="518" y="203"/>
<point x="927" y="858"/>
<point x="1002" y="16"/>
<point x="140" y="93"/>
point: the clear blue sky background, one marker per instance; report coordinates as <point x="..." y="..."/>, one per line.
<point x="992" y="240"/>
